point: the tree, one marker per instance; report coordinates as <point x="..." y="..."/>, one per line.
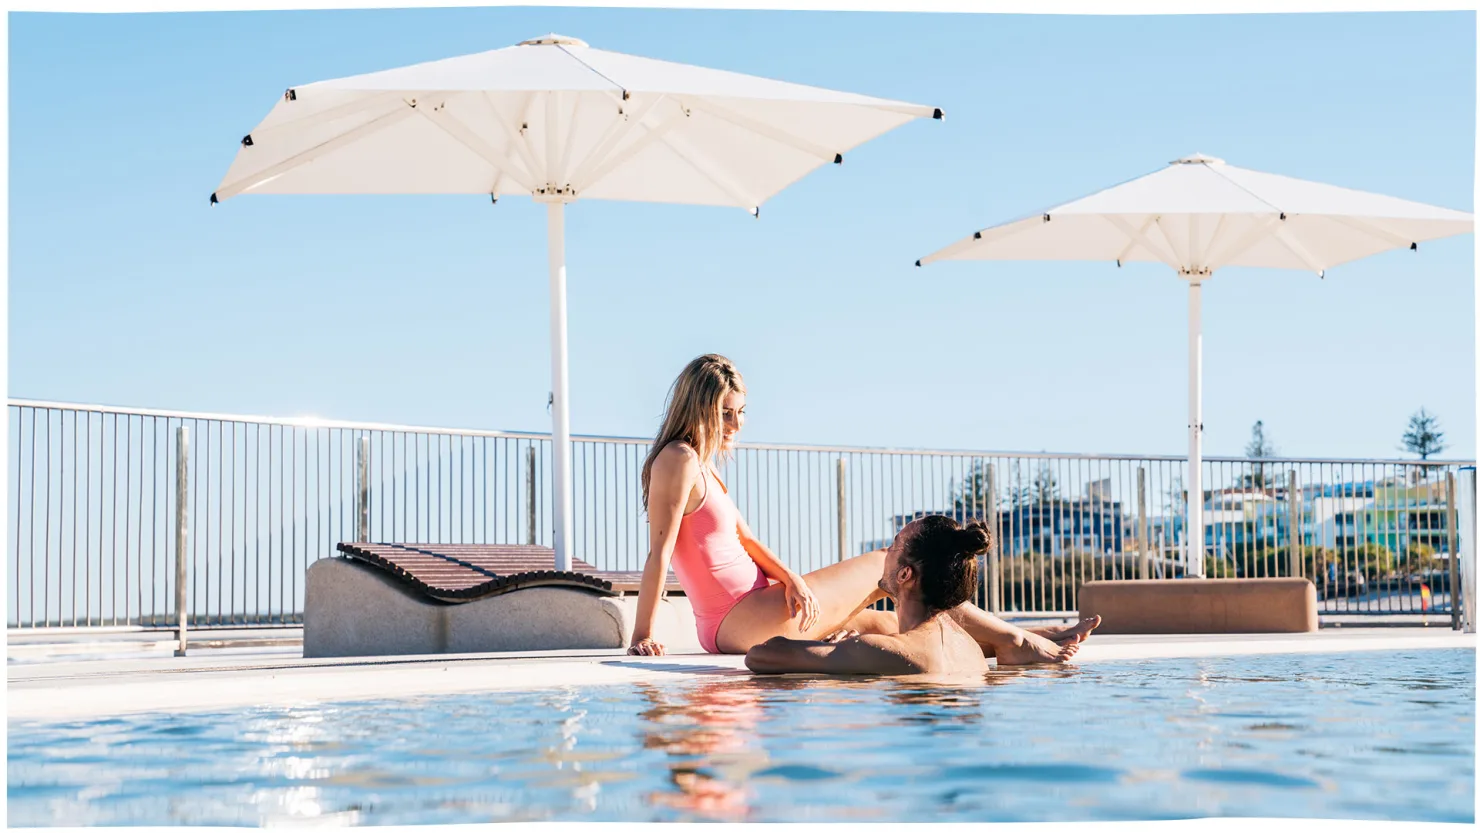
<point x="970" y="498"/>
<point x="1421" y="558"/>
<point x="1175" y="495"/>
<point x="1017" y="494"/>
<point x="1259" y="448"/>
<point x="1423" y="436"/>
<point x="1045" y="486"/>
<point x="1259" y="445"/>
<point x="1374" y="560"/>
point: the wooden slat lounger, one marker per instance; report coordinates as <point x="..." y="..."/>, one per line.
<point x="467" y="572"/>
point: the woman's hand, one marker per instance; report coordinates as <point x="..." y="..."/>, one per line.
<point x="839" y="636"/>
<point x="646" y="647"/>
<point x="800" y="602"/>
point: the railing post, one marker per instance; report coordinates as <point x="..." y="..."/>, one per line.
<point x="182" y="534"/>
<point x="1466" y="512"/>
<point x="842" y="508"/>
<point x="362" y="493"/>
<point x="994" y="555"/>
<point x="529" y="497"/>
<point x="1297" y="566"/>
<point x="1451" y="521"/>
<point x="1142" y="528"/>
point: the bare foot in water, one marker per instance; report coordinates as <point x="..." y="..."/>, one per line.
<point x="1071" y="634"/>
<point x="1033" y="649"/>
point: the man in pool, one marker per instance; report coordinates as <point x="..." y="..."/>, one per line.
<point x="930" y="570"/>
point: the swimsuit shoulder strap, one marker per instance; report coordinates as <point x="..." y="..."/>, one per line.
<point x="704" y="476"/>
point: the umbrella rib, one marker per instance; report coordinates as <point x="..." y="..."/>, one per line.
<point x="618" y="130"/>
<point x="698" y="161"/>
<point x="522" y="136"/>
<point x="515" y="137"/>
<point x="1371" y="228"/>
<point x="465" y="136"/>
<point x="1212" y="241"/>
<point x="328" y="146"/>
<point x="570" y="132"/>
<point x="653" y="134"/>
<point x="1242" y="245"/>
<point x="1142" y="240"/>
<point x="1129" y="247"/>
<point x="552" y="158"/>
<point x="347" y="109"/>
<point x="1298" y="250"/>
<point x="766" y="130"/>
<point x="1171" y="244"/>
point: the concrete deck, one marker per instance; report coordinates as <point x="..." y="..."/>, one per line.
<point x="94" y="678"/>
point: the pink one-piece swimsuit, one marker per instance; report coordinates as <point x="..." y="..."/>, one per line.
<point x="712" y="566"/>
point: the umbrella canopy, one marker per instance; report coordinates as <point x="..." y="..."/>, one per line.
<point x="558" y="121"/>
<point x="1198" y="215"/>
<point x="554" y="117"/>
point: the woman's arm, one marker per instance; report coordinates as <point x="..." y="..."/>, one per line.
<point x="763" y="557"/>
<point x="673" y="476"/>
<point x="799" y="599"/>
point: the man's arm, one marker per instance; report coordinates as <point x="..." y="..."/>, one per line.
<point x="868" y="654"/>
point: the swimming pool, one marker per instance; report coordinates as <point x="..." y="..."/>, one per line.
<point x="1379" y="735"/>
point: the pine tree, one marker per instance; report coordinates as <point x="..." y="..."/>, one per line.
<point x="1423" y="436"/>
<point x="1259" y="447"/>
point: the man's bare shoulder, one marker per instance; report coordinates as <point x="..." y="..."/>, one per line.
<point x="940" y="647"/>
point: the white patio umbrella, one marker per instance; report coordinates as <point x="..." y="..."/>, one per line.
<point x="558" y="121"/>
<point x="1198" y="215"/>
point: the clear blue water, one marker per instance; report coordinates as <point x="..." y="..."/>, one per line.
<point x="1365" y="735"/>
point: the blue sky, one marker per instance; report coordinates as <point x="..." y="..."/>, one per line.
<point x="126" y="288"/>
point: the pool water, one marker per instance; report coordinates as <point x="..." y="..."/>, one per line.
<point x="1364" y="735"/>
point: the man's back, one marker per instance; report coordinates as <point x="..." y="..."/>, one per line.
<point x="937" y="646"/>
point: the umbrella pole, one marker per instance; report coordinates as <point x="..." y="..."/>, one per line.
<point x="1195" y="565"/>
<point x="559" y="407"/>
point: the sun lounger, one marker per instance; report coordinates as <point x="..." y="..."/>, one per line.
<point x="467" y="572"/>
<point x="383" y="599"/>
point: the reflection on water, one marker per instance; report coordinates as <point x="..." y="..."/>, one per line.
<point x="1384" y="736"/>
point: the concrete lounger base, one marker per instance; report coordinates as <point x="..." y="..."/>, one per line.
<point x="352" y="610"/>
<point x="1239" y="605"/>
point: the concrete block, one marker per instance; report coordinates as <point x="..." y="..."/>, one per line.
<point x="1239" y="605"/>
<point x="352" y="609"/>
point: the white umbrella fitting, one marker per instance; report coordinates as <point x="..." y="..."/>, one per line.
<point x="1198" y="215"/>
<point x="557" y="121"/>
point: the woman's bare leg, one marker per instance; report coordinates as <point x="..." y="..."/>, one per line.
<point x="842" y="590"/>
<point x="989" y="632"/>
<point x="884" y="621"/>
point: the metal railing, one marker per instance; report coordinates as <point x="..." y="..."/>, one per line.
<point x="97" y="507"/>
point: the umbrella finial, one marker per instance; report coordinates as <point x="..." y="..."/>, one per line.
<point x="1198" y="159"/>
<point x="553" y="39"/>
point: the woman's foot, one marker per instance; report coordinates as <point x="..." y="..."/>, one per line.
<point x="1069" y="634"/>
<point x="1031" y="649"/>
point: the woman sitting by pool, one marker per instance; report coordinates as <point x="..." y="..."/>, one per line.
<point x="741" y="593"/>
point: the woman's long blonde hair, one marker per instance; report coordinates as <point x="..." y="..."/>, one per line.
<point x="695" y="410"/>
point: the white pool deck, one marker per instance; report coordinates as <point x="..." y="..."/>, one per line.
<point x="88" y="678"/>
